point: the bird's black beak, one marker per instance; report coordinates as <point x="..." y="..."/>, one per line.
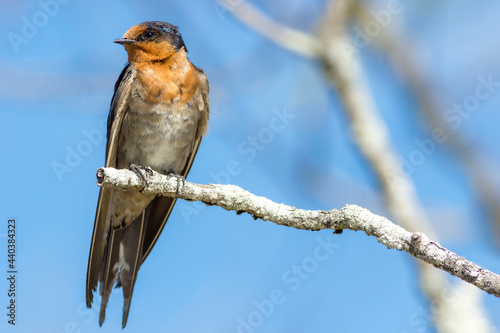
<point x="124" y="41"/>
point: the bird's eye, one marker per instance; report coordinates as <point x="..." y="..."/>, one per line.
<point x="149" y="34"/>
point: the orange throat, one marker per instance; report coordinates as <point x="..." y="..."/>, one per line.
<point x="173" y="79"/>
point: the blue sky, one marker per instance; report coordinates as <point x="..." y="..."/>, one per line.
<point x="212" y="270"/>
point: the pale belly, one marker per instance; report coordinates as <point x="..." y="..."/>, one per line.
<point x="161" y="138"/>
<point x="158" y="137"/>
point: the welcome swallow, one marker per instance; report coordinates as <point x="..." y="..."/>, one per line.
<point x="158" y="115"/>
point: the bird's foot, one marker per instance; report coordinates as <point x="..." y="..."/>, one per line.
<point x="142" y="173"/>
<point x="180" y="179"/>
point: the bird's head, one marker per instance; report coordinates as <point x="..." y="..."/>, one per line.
<point x="152" y="41"/>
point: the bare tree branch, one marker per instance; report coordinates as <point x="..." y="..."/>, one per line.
<point x="352" y="217"/>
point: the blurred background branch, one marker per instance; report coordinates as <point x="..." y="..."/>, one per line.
<point x="345" y="73"/>
<point x="401" y="52"/>
<point x="291" y="39"/>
